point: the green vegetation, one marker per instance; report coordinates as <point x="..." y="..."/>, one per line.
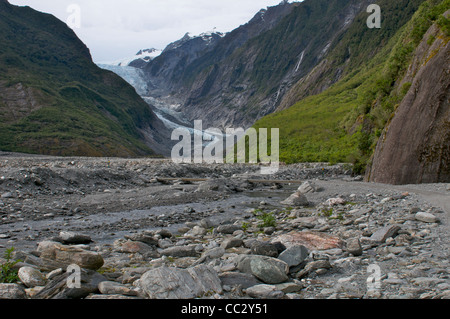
<point x="343" y="123"/>
<point x="8" y="274"/>
<point x="76" y="107"/>
<point x="267" y="220"/>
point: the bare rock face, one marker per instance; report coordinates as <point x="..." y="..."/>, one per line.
<point x="415" y="147"/>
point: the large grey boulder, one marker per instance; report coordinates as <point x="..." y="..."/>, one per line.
<point x="294" y="255"/>
<point x="174" y="283"/>
<point x="267" y="269"/>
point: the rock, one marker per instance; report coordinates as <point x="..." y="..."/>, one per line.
<point x="66" y="255"/>
<point x="181" y="251"/>
<point x="215" y="185"/>
<point x="74" y="238"/>
<point x="174" y="283"/>
<point x="311" y="240"/>
<point x="307" y="187"/>
<point x="211" y="254"/>
<point x="243" y="280"/>
<point x="384" y="233"/>
<point x="58" y="288"/>
<point x="40" y="263"/>
<point x="335" y="201"/>
<point x="54" y="273"/>
<point x="8" y="195"/>
<point x="426" y="217"/>
<point x="196" y="231"/>
<point x="264" y="292"/>
<point x="313" y="266"/>
<point x="133" y="247"/>
<point x="114" y="288"/>
<point x="264" y="249"/>
<point x="268" y="271"/>
<point x="146" y="238"/>
<point x="228" y="229"/>
<point x="164" y="233"/>
<point x="31" y="277"/>
<point x="294" y="255"/>
<point x="130" y="275"/>
<point x="12" y="291"/>
<point x="110" y="297"/>
<point x="354" y="247"/>
<point x="232" y="242"/>
<point x="289" y="287"/>
<point x="296" y="200"/>
<point x="32" y="292"/>
<point x="243" y="263"/>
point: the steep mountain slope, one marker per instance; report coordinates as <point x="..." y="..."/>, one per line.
<point x="195" y="73"/>
<point x="252" y="81"/>
<point x="55" y="100"/>
<point x="415" y="145"/>
<point x="344" y="122"/>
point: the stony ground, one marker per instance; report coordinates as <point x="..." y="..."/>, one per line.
<point x="221" y="234"/>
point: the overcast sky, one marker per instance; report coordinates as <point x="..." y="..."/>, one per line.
<point x="114" y="29"/>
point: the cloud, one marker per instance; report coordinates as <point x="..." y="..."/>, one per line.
<point x="114" y="29"/>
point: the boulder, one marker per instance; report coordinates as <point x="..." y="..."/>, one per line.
<point x="146" y="238"/>
<point x="180" y="251"/>
<point x="72" y="238"/>
<point x="297" y="199"/>
<point x="294" y="255"/>
<point x="228" y="228"/>
<point x="175" y="283"/>
<point x="67" y="255"/>
<point x="307" y="187"/>
<point x="426" y="217"/>
<point x="238" y="279"/>
<point x="31" y="277"/>
<point x="133" y="247"/>
<point x="311" y="240"/>
<point x="353" y="246"/>
<point x="268" y="271"/>
<point x="12" y="291"/>
<point x="58" y="287"/>
<point x="264" y="249"/>
<point x="384" y="233"/>
<point x="264" y="292"/>
<point x="114" y="288"/>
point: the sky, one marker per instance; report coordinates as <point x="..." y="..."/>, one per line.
<point x="116" y="29"/>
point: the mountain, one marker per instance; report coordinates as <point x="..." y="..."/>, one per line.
<point x="138" y="60"/>
<point x="194" y="71"/>
<point x="367" y="102"/>
<point x="55" y="100"/>
<point x="414" y="147"/>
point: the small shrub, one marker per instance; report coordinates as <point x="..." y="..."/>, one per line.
<point x="267" y="220"/>
<point x="8" y="274"/>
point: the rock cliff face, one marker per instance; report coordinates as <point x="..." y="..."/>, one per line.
<point x="415" y="145"/>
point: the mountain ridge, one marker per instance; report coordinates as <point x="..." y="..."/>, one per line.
<point x="54" y="100"/>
